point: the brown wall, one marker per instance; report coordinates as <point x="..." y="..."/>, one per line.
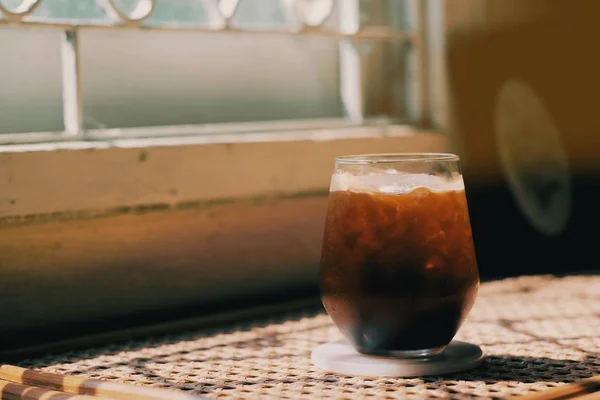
<point x="523" y="84"/>
<point x="546" y="43"/>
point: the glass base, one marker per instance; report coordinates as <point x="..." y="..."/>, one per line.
<point x="342" y="358"/>
<point x="403" y="353"/>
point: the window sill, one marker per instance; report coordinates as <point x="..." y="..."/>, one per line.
<point x="97" y="177"/>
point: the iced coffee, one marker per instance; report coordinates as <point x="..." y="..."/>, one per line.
<point x="398" y="268"/>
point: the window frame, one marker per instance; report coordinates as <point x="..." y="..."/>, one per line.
<point x="359" y="69"/>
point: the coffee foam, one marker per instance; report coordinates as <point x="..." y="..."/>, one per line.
<point x="393" y="182"/>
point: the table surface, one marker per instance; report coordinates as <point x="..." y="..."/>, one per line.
<point x="538" y="333"/>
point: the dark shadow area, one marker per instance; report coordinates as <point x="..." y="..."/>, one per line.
<point x="264" y="342"/>
<point x="506" y="228"/>
<point x="499" y="368"/>
<point x="51" y="339"/>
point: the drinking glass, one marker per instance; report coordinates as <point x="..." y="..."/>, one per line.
<point x="398" y="268"/>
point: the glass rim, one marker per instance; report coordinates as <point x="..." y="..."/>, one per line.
<point x="391" y="158"/>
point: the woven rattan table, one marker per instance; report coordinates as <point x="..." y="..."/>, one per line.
<point x="538" y="332"/>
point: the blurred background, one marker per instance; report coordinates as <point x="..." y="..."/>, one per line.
<point x="161" y="160"/>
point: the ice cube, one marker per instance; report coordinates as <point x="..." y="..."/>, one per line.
<point x="397" y="183"/>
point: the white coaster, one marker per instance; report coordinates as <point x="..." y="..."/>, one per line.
<point x="341" y="358"/>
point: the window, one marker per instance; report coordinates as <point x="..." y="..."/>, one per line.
<point x="167" y="154"/>
<point x="97" y="69"/>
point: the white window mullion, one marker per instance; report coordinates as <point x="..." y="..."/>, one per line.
<point x="71" y="83"/>
<point x="351" y="83"/>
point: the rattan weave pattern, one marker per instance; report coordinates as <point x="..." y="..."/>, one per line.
<point x="538" y="332"/>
